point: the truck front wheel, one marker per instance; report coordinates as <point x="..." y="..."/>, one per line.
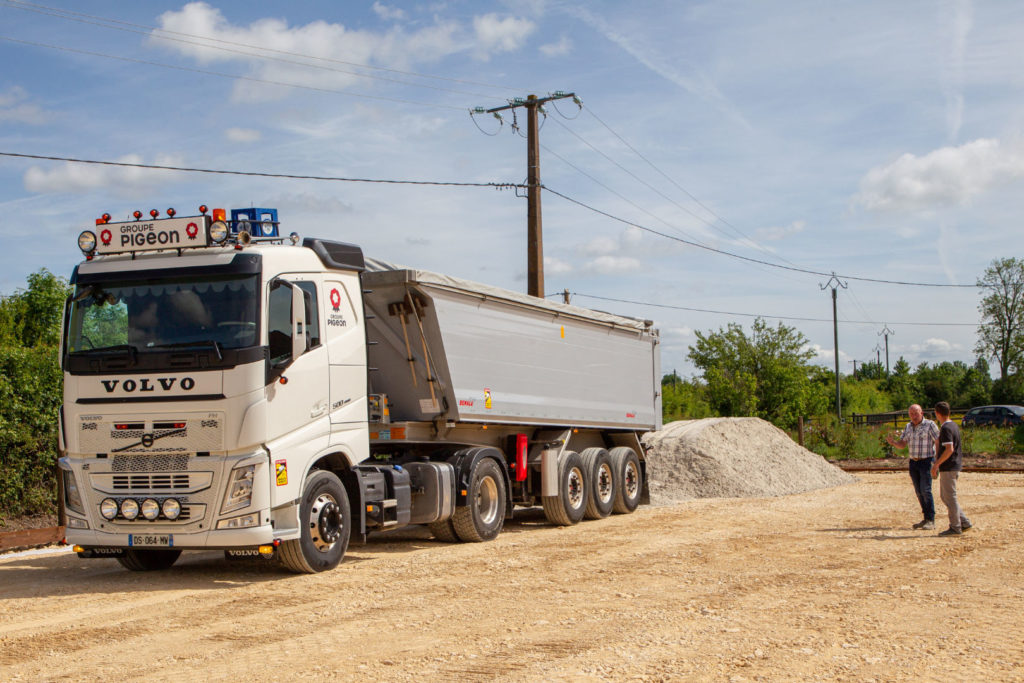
<point x="483" y="516"/>
<point x="570" y="504"/>
<point x="148" y="560"/>
<point x="324" y="526"/>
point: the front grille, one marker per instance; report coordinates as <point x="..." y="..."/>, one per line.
<point x="149" y="463"/>
<point x="145" y="482"/>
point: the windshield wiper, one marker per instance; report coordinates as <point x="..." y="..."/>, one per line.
<point x="211" y="343"/>
<point x="132" y="351"/>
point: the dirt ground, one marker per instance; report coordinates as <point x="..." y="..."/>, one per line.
<point x="827" y="585"/>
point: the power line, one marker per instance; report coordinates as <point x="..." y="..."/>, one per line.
<point x="106" y="22"/>
<point x="231" y="76"/>
<point x="497" y="186"/>
<point x="757" y="315"/>
<point x="747" y="258"/>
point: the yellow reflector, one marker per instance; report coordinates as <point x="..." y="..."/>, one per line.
<point x="369" y="508"/>
<point x="78" y="549"/>
<point x="465" y="492"/>
<point x="266" y="550"/>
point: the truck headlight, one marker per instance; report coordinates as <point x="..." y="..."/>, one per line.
<point x="108" y="508"/>
<point x="72" y="496"/>
<point x="171" y="508"/>
<point x="150" y="509"/>
<point x="239" y="493"/>
<point x="130" y="508"/>
<point x="243" y="522"/>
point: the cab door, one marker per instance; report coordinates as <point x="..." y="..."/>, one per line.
<point x="297" y="394"/>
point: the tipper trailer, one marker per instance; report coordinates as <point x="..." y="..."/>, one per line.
<point x="226" y="387"/>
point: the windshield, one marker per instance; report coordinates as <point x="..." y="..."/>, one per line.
<point x="217" y="312"/>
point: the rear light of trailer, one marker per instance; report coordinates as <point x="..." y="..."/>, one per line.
<point x="522" y="448"/>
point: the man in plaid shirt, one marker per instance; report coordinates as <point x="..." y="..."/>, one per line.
<point x="920" y="436"/>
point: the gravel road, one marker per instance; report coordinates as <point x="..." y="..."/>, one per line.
<point x="831" y="584"/>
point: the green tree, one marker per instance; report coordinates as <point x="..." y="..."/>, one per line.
<point x="683" y="399"/>
<point x="30" y="393"/>
<point x="764" y="374"/>
<point x="1001" y="332"/>
<point x="902" y="385"/>
<point x="31" y="317"/>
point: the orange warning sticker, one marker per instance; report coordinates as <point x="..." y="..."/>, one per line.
<point x="281" y="467"/>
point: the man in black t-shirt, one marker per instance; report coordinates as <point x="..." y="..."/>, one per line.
<point x="948" y="463"/>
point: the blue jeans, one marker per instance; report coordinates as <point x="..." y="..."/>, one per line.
<point x="921" y="475"/>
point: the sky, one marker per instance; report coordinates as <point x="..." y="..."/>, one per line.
<point x="879" y="141"/>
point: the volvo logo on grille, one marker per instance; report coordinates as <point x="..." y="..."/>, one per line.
<point x="147" y="440"/>
<point x="147" y="384"/>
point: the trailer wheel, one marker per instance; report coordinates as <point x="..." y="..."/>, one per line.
<point x="628" y="479"/>
<point x="324" y="521"/>
<point x="483" y="516"/>
<point x="148" y="560"/>
<point x="444" y="531"/>
<point x="569" y="506"/>
<point x="597" y="468"/>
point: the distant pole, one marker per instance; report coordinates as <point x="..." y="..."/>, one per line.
<point x="854" y="368"/>
<point x="878" y="355"/>
<point x="886" y="332"/>
<point x="835" y="337"/>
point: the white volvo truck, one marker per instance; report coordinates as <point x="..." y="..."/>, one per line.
<point x="226" y="387"/>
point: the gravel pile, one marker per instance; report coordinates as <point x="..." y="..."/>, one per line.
<point x="732" y="457"/>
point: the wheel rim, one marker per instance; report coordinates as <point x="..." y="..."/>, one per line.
<point x="574" y="488"/>
<point x="605" y="486"/>
<point x="325" y="522"/>
<point x="632" y="480"/>
<point x="487" y="500"/>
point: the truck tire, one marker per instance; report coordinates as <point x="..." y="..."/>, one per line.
<point x="324" y="526"/>
<point x="148" y="560"/>
<point x="628" y="479"/>
<point x="569" y="506"/>
<point x="597" y="469"/>
<point x="444" y="531"/>
<point x="483" y="515"/>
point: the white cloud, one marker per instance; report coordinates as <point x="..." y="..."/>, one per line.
<point x="388" y="13"/>
<point x="600" y="246"/>
<point x="125" y="181"/>
<point x="336" y="51"/>
<point x="562" y="47"/>
<point x="779" y="232"/>
<point x="947" y="176"/>
<point x="555" y="266"/>
<point x="827" y="357"/>
<point x="15" y="108"/>
<point x="495" y="34"/>
<point x="242" y="135"/>
<point x="934" y="348"/>
<point x="613" y="265"/>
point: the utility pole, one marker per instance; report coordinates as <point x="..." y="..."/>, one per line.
<point x="878" y="355"/>
<point x="835" y="336"/>
<point x="886" y="332"/>
<point x="534" y="238"/>
<point x="854" y="367"/>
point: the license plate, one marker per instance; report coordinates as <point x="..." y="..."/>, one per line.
<point x="158" y="540"/>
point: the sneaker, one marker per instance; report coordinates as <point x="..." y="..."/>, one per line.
<point x="950" y="532"/>
<point x="965" y="527"/>
<point x="928" y="525"/>
<point x="920" y="525"/>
